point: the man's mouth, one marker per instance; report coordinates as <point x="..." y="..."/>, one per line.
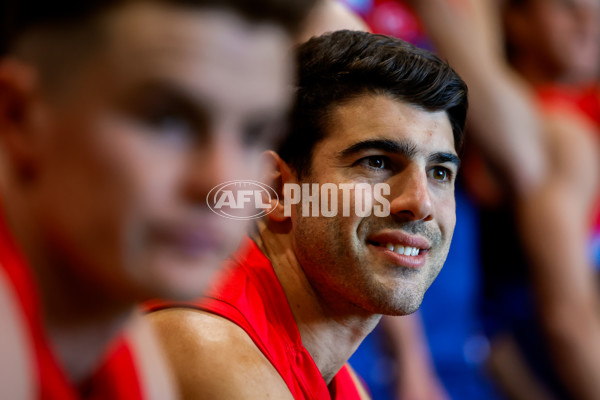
<point x="192" y="240"/>
<point x="400" y="249"/>
<point x="404" y="249"/>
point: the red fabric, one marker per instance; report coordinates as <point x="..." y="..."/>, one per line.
<point x="249" y="294"/>
<point x="117" y="377"/>
<point x="115" y="380"/>
<point x="583" y="101"/>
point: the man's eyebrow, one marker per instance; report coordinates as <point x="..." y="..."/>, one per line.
<point x="441" y="158"/>
<point x="195" y="105"/>
<point x="156" y="96"/>
<point x="405" y="149"/>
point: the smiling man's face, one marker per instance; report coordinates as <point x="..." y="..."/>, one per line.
<point x="355" y="260"/>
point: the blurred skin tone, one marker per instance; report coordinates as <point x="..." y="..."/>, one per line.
<point x="556" y="39"/>
<point x="107" y="177"/>
<point x="337" y="279"/>
<point x="119" y="179"/>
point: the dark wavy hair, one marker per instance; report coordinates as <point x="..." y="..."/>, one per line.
<point x="337" y="67"/>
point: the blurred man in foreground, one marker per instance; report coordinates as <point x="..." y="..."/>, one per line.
<point x="116" y="119"/>
<point x="301" y="294"/>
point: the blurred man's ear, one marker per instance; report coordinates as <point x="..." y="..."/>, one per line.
<point x="17" y="90"/>
<point x="277" y="174"/>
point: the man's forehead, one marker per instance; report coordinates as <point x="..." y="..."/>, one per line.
<point x="379" y="117"/>
<point x="209" y="51"/>
<point x="156" y="32"/>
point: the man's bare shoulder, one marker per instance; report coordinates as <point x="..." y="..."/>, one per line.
<point x="214" y="358"/>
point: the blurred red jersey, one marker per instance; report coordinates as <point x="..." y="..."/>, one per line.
<point x="115" y="379"/>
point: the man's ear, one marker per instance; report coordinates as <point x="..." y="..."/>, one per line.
<point x="17" y="92"/>
<point x="278" y="173"/>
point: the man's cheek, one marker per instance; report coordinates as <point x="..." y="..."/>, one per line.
<point x="446" y="211"/>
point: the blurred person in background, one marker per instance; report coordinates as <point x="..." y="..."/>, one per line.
<point x="116" y="120"/>
<point x="545" y="285"/>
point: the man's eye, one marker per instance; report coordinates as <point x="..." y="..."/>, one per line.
<point x="256" y="134"/>
<point x="169" y="122"/>
<point x="440" y="174"/>
<point x="263" y="133"/>
<point x="376" y="162"/>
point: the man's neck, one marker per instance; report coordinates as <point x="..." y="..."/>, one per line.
<point x="80" y="317"/>
<point x="330" y="332"/>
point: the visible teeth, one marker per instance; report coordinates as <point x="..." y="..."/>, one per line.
<point x="407" y="251"/>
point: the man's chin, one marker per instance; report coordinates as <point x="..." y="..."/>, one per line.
<point x="407" y="310"/>
<point x="400" y="307"/>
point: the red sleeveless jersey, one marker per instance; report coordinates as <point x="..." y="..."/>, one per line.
<point x="115" y="379"/>
<point x="249" y="294"/>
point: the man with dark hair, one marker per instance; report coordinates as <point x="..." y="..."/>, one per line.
<point x="116" y="120"/>
<point x="301" y="294"/>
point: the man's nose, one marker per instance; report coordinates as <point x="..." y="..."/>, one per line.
<point x="411" y="197"/>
